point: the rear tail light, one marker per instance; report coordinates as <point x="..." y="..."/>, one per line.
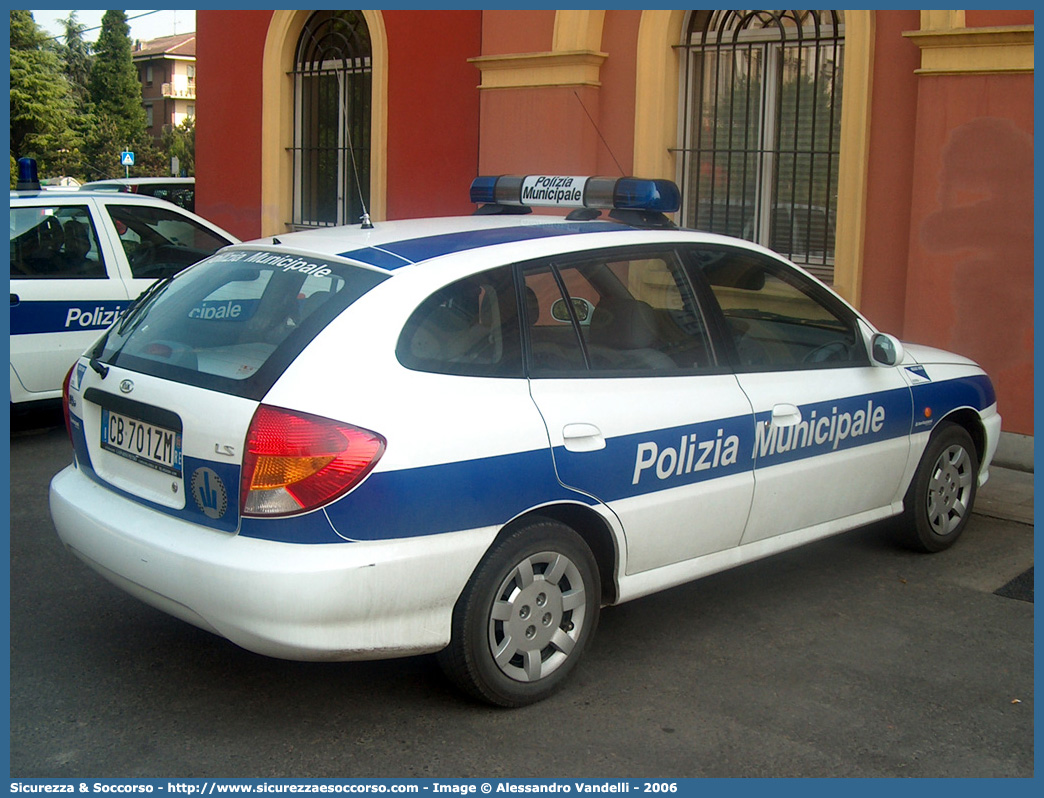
<point x="295" y="462"/>
<point x="65" y="402"/>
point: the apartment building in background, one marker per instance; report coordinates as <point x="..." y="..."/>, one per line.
<point x="167" y="70"/>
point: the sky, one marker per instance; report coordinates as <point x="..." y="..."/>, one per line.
<point x="144" y="25"/>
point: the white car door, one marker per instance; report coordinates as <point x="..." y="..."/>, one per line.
<point x="155" y="240"/>
<point x="638" y="412"/>
<point x="65" y="289"/>
<point x="831" y="429"/>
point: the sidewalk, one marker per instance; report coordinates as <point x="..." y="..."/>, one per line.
<point x="1008" y="495"/>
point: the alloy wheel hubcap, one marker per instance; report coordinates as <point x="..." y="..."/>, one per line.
<point x="949" y="490"/>
<point x="537" y="616"/>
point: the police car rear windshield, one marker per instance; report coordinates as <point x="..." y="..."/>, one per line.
<point x="234" y="321"/>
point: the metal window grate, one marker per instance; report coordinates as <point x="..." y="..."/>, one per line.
<point x="762" y="129"/>
<point x="332" y="100"/>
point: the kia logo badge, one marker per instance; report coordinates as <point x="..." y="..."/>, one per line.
<point x="126" y="386"/>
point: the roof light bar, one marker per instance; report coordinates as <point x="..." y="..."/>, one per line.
<point x="623" y="193"/>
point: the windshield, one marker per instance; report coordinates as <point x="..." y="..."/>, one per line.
<point x="234" y="321"/>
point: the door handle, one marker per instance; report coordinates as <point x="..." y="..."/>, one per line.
<point x="579" y="437"/>
<point x="785" y="415"/>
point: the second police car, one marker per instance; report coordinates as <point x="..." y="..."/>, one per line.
<point x="78" y="259"/>
<point x="468" y="435"/>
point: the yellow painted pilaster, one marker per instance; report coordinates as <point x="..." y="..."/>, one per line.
<point x="656" y="106"/>
<point x="853" y="172"/>
<point x="949" y="47"/>
<point x="529" y="70"/>
<point x="975" y="51"/>
<point x="575" y="58"/>
<point x="578" y="30"/>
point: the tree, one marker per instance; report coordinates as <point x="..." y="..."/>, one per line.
<point x="115" y="90"/>
<point x="180" y="142"/>
<point x="76" y="55"/>
<point x="42" y="108"/>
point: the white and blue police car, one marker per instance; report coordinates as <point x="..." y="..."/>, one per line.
<point x="468" y="435"/>
<point x="78" y="259"/>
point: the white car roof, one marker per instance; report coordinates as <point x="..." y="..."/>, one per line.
<point x="331" y="240"/>
<point x="72" y="197"/>
<point x="39" y="198"/>
<point x="392" y="245"/>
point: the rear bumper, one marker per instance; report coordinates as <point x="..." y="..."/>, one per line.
<point x="293" y="601"/>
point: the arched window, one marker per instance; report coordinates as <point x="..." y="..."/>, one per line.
<point x="762" y="128"/>
<point x="332" y="101"/>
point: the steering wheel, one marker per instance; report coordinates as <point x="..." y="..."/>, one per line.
<point x="143" y="261"/>
<point x="835" y="350"/>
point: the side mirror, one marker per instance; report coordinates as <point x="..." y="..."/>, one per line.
<point x="886" y="350"/>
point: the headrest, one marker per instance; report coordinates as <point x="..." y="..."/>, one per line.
<point x="624" y="323"/>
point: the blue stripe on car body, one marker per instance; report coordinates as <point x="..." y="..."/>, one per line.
<point x="447" y="497"/>
<point x="942" y="397"/>
<point x="490" y="491"/>
<point x="833" y="425"/>
<point x="377" y="256"/>
<point x="41" y="316"/>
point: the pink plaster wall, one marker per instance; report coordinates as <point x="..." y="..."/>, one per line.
<point x="970" y="283"/>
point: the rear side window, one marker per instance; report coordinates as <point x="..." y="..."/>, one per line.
<point x="54" y="243"/>
<point x="160" y="242"/>
<point x="235" y="321"/>
<point x="470" y="327"/>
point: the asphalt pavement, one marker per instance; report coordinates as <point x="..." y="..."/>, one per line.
<point x="848" y="657"/>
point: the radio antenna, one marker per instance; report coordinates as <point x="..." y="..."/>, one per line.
<point x="366" y="223"/>
<point x="599" y="132"/>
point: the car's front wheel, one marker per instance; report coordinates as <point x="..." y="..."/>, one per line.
<point x="525" y="617"/>
<point x="939" y="501"/>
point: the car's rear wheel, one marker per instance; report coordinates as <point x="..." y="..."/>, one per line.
<point x="939" y="501"/>
<point x="525" y="617"/>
